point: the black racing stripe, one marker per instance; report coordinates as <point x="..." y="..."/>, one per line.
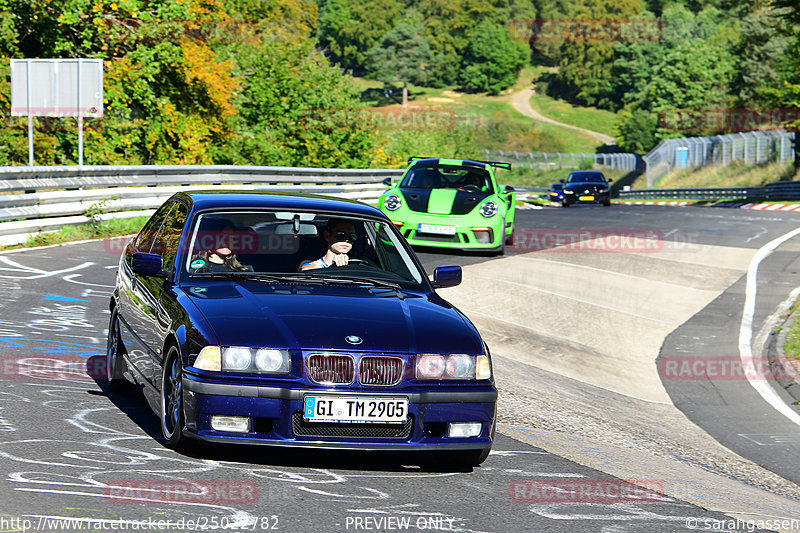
<point x="466" y="201"/>
<point x="416" y="198"/>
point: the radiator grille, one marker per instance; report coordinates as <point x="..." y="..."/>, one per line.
<point x="331" y="368"/>
<point x="380" y="370"/>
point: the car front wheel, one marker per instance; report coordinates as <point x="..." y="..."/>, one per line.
<point x="172" y="418"/>
<point x="564" y="203"/>
<point x="115" y="363"/>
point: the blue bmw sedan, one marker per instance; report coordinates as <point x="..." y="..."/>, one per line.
<point x="296" y="320"/>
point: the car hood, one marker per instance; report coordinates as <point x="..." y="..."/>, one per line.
<point x="314" y="317"/>
<point x="442" y="201"/>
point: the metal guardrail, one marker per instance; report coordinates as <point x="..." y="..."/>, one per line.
<point x="779" y="190"/>
<point x="36" y="199"/>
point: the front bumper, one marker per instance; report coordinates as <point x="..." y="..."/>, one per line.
<point x="276" y="417"/>
<point x="469" y="231"/>
<point x="590" y="198"/>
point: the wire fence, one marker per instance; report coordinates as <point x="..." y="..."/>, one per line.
<point x="548" y="160"/>
<point x="752" y="148"/>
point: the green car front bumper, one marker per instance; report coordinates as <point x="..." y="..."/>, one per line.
<point x="463" y="232"/>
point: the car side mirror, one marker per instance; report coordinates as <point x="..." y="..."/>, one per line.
<point x="561" y="181"/>
<point x="508" y="189"/>
<point x="446" y="276"/>
<point x="609" y="180"/>
<point x="387" y="182"/>
<point x="148" y="265"/>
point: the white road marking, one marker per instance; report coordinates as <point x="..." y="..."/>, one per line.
<point x="761" y="386"/>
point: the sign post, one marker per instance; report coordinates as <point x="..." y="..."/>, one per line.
<point x="57" y="88"/>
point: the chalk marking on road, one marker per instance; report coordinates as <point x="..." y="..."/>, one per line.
<point x="761" y="386"/>
<point x="623" y="275"/>
<point x="579" y="300"/>
<point x="71" y="279"/>
<point x="18" y="267"/>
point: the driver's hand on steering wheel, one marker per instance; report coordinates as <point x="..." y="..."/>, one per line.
<point x="340" y="259"/>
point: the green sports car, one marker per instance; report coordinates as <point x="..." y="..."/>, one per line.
<point x="451" y="203"/>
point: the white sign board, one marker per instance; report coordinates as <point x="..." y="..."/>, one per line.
<point x="57" y="87"/>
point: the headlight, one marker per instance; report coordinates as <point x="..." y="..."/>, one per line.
<point x="488" y="209"/>
<point x="392" y="202"/>
<point x="236" y="358"/>
<point x="567" y="191"/>
<point x="452" y="367"/>
<point x="209" y="359"/>
<point x="276" y="361"/>
<point x="241" y="359"/>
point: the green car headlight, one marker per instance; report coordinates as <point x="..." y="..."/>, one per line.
<point x="392" y="202"/>
<point x="488" y="209"/>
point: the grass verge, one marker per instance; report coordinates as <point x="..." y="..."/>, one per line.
<point x="111" y="228"/>
<point x="736" y="174"/>
<point x="791" y="345"/>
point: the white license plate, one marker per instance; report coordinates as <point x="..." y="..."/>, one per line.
<point x="586" y="198"/>
<point x="436" y="228"/>
<point x="325" y="408"/>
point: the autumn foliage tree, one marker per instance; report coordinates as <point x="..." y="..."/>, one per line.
<point x="182" y="80"/>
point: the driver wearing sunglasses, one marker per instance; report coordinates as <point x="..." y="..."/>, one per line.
<point x="340" y="236"/>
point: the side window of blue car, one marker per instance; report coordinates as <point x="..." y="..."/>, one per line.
<point x="144" y="241"/>
<point x="166" y="240"/>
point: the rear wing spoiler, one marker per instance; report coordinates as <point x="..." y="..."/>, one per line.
<point x="496" y="164"/>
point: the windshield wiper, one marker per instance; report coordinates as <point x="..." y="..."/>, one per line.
<point x="362" y="281"/>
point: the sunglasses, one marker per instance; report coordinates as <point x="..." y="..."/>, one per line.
<point x="344" y="236"/>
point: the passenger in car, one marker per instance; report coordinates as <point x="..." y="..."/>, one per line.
<point x="220" y="258"/>
<point x="340" y="236"/>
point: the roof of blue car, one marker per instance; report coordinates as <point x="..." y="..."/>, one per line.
<point x="202" y="200"/>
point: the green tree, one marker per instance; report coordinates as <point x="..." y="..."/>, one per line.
<point x="402" y="55"/>
<point x="762" y="59"/>
<point x="348" y="29"/>
<point x="493" y="60"/>
<point x="585" y="61"/>
<point x="635" y="130"/>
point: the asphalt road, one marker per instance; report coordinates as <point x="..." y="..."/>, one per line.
<point x="69" y="449"/>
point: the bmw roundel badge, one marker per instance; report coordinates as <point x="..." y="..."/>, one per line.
<point x="353" y="339"/>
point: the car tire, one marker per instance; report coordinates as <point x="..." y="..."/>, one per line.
<point x="115" y="361"/>
<point x="564" y="203"/>
<point x="510" y="239"/>
<point x="172" y="417"/>
<point x="607" y="203"/>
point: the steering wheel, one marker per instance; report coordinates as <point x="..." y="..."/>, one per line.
<point x="470" y="188"/>
<point x="356" y="260"/>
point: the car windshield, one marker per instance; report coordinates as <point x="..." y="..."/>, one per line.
<point x="586" y="177"/>
<point x="437" y="176"/>
<point x="300" y="247"/>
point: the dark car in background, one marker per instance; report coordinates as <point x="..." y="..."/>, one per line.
<point x="556" y="192"/>
<point x="232" y="338"/>
<point x="586" y="186"/>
